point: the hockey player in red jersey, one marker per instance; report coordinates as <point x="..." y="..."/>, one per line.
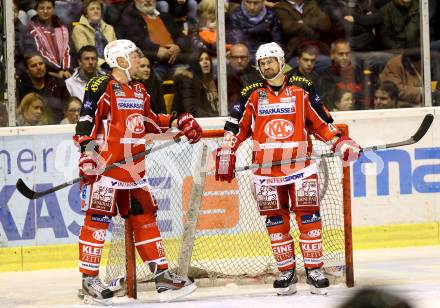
<point x="115" y="119"/>
<point x="280" y="119"/>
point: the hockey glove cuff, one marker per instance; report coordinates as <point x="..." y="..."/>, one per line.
<point x="190" y="128"/>
<point x="87" y="169"/>
<point x="224" y="164"/>
<point x="348" y="149"/>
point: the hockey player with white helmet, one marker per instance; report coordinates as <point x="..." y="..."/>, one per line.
<point x="280" y="114"/>
<point x="114" y="121"/>
<point x="270" y="50"/>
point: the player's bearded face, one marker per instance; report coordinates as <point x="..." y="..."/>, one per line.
<point x="269" y="67"/>
<point x="134" y="61"/>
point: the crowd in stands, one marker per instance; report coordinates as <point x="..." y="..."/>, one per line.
<point x="360" y="54"/>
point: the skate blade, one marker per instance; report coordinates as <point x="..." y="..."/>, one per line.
<point x="172" y="295"/>
<point x="318" y="291"/>
<point x="97" y="302"/>
<point x="286" y="291"/>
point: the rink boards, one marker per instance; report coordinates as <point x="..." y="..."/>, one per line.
<point x="395" y="193"/>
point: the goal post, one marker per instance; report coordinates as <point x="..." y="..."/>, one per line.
<point x="213" y="229"/>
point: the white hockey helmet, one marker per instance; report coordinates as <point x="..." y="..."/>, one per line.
<point x="116" y="49"/>
<point x="270" y="50"/>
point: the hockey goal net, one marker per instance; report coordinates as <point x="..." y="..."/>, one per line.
<point x="213" y="229"/>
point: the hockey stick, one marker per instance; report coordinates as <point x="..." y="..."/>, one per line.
<point x="426" y="123"/>
<point x="31" y="194"/>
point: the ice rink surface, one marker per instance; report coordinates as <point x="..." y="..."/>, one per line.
<point x="411" y="273"/>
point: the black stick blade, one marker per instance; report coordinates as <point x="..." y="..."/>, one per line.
<point x="25" y="190"/>
<point x="427" y="121"/>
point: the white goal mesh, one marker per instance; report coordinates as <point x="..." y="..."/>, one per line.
<point x="230" y="239"/>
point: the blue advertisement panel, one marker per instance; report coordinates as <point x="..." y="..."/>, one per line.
<point x="43" y="161"/>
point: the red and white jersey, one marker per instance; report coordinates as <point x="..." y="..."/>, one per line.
<point x="117" y="117"/>
<point x="280" y="125"/>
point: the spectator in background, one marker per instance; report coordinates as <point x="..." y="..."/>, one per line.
<point x="386" y="95"/>
<point x="92" y="30"/>
<point x="306" y="60"/>
<point x="87" y="68"/>
<point x="253" y="24"/>
<point x="406" y="72"/>
<point x="355" y="21"/>
<point x="196" y="90"/>
<point x="401" y="24"/>
<point x="113" y="10"/>
<point x="152" y="84"/>
<point x="68" y="11"/>
<point x="342" y="75"/>
<point x="72" y="111"/>
<point x="341" y="101"/>
<point x="183" y="11"/>
<point x="32" y="111"/>
<point x="19" y="31"/>
<point x="361" y="24"/>
<point x="36" y="79"/>
<point x="26" y="10"/>
<point x="204" y="36"/>
<point x="302" y="21"/>
<point x="156" y="34"/>
<point x="49" y="37"/>
<point x="240" y="73"/>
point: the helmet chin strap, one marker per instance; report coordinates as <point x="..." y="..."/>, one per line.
<point x="125" y="70"/>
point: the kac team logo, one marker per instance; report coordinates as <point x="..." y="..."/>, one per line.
<point x="135" y="123"/>
<point x="279" y="129"/>
<point x="99" y="235"/>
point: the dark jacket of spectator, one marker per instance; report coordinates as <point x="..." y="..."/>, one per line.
<point x="68" y="11"/>
<point x="336" y="79"/>
<point x="56" y="54"/>
<point x="434" y="20"/>
<point x="154" y="88"/>
<point x="359" y="32"/>
<point x="196" y="93"/>
<point x="132" y="26"/>
<point x="401" y="25"/>
<point x="26" y="5"/>
<point x="312" y="25"/>
<point x="262" y="29"/>
<point x="20" y="30"/>
<point x="55" y="93"/>
<point x="191" y="96"/>
<point x="314" y="75"/>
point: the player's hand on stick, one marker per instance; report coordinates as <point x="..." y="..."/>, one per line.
<point x="87" y="168"/>
<point x="189" y="126"/>
<point x="224" y="164"/>
<point x="348" y="149"/>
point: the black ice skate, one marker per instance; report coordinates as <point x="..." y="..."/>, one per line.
<point x="317" y="281"/>
<point x="171" y="286"/>
<point x="95" y="291"/>
<point x="285" y="284"/>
